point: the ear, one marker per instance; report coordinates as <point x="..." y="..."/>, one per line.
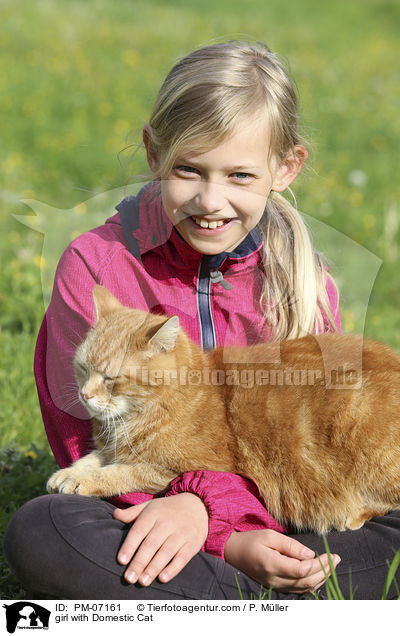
<point x="289" y="169"/>
<point x="104" y="302"/>
<point x="152" y="158"/>
<point x="165" y="338"/>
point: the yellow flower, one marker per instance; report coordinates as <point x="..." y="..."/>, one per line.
<point x="39" y="261"/>
<point x="31" y="453"/>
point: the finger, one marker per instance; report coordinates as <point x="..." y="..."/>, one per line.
<point x="311" y="582"/>
<point x="144" y="555"/>
<point x="167" y="553"/>
<point x="287" y="545"/>
<point x="289" y="568"/>
<point x="315" y="580"/>
<point x="177" y="564"/>
<point x="285" y="567"/>
<point x="328" y="565"/>
<point x="134" y="538"/>
<point x="126" y="515"/>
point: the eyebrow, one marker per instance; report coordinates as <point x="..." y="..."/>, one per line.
<point x="225" y="168"/>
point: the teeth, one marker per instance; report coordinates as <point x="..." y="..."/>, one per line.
<point x="208" y="224"/>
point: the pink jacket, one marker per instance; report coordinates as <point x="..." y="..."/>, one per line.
<point x="142" y="259"/>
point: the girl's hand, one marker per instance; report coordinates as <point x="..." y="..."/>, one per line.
<point x="169" y="531"/>
<point x="274" y="559"/>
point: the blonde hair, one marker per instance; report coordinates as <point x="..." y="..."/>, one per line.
<point x="202" y="100"/>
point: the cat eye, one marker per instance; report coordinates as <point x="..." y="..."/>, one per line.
<point x="82" y="367"/>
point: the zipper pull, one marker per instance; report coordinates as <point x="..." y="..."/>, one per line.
<point x="217" y="277"/>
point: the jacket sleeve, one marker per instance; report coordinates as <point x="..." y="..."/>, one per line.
<point x="233" y="502"/>
<point x="64" y="326"/>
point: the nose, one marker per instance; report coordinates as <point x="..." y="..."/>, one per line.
<point x="86" y="396"/>
<point x="210" y="197"/>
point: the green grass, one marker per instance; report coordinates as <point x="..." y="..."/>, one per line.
<point x="334" y="592"/>
<point x="84" y="75"/>
<point x="23" y="476"/>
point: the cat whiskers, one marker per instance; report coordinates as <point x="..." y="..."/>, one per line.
<point x="111" y="420"/>
<point x="104" y="430"/>
<point x="67" y="401"/>
<point x="121" y="422"/>
<point x="68" y="389"/>
<point x="71" y="341"/>
<point x="68" y="398"/>
<point x="110" y="428"/>
<point x="115" y="436"/>
<point x="67" y="406"/>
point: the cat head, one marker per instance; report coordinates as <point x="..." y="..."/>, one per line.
<point x="112" y="364"/>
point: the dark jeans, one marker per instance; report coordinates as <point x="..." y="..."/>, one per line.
<point x="65" y="546"/>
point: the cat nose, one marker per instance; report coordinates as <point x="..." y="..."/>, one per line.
<point x="86" y="396"/>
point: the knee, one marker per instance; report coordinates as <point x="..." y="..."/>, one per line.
<point x="25" y="539"/>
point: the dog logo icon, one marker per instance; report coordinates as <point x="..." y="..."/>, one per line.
<point x="26" y="615"/>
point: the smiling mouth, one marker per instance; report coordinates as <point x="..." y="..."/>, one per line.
<point x="211" y="225"/>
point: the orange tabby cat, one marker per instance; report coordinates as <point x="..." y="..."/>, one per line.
<point x="322" y="458"/>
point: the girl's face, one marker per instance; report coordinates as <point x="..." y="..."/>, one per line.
<point x="215" y="198"/>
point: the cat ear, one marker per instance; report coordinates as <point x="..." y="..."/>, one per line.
<point x="104" y="302"/>
<point x="165" y="338"/>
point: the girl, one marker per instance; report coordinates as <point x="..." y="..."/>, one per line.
<point x="212" y="240"/>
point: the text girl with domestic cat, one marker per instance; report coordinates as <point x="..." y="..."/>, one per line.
<point x="212" y="240"/>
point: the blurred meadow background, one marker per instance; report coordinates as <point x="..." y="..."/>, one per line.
<point x="77" y="81"/>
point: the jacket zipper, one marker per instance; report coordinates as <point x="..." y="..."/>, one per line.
<point x="207" y="328"/>
<point x="206" y="276"/>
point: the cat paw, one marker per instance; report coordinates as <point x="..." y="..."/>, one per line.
<point x="67" y="481"/>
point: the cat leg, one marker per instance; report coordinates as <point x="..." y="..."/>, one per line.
<point x="64" y="480"/>
<point x="115" y="479"/>
<point x="357" y="520"/>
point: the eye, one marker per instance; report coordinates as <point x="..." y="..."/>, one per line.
<point x="82" y="367"/>
<point x="243" y="177"/>
<point x="108" y="380"/>
<point x="186" y="171"/>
